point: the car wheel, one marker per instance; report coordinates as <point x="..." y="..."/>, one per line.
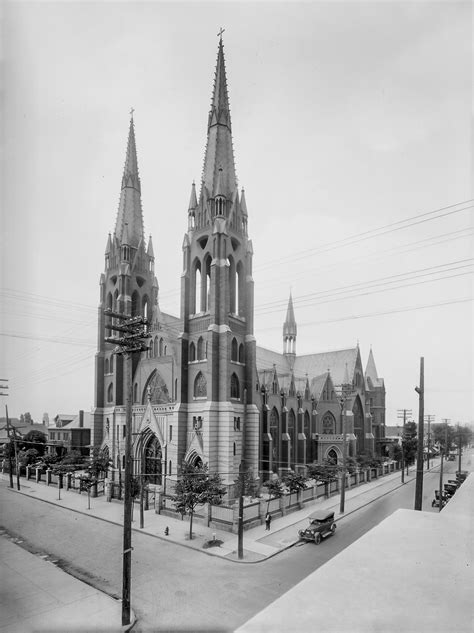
<point x="317" y="538"/>
<point x="333" y="528"/>
<point x="432" y="504"/>
<point x="300" y="533"/>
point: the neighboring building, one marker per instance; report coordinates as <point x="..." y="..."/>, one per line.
<point x="70" y="433"/>
<point x="189" y="389"/>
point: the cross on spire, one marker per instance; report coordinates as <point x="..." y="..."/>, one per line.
<point x="219" y="35"/>
<point x="132" y="110"/>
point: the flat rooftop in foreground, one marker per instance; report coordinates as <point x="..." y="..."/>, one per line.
<point x="413" y="572"/>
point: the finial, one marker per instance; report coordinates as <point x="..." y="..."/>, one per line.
<point x="219" y="35"/>
<point x="132" y="110"/>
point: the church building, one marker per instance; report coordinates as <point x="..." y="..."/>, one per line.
<point x="204" y="387"/>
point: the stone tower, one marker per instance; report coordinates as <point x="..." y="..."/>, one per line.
<point x="127" y="285"/>
<point x="217" y="348"/>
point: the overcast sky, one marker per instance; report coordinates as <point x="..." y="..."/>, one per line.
<point x="352" y="137"/>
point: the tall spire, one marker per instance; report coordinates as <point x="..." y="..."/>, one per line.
<point x="219" y="151"/>
<point x="130" y="206"/>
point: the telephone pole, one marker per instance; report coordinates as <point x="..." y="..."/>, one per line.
<point x="419" y="460"/>
<point x="240" y="548"/>
<point x="133" y="332"/>
<point x="343" y="478"/>
<point x="429" y="419"/>
<point x="402" y="413"/>
<point x="443" y="453"/>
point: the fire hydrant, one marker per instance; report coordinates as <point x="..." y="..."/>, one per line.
<point x="167" y="531"/>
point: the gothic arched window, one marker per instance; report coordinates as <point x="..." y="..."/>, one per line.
<point x="291" y="433"/>
<point x="155" y="347"/>
<point x="234" y="350"/>
<point x="275" y="433"/>
<point x="307" y="432"/>
<point x="135" y="303"/>
<point x="332" y="456"/>
<point x="106" y="366"/>
<point x="151" y="467"/>
<point x="161" y="347"/>
<point x="112" y="364"/>
<point x="192" y="352"/>
<point x="200" y="386"/>
<point x="241" y="353"/>
<point x="234" y="387"/>
<point x="200" y="348"/>
<point x="156" y="389"/>
<point x="329" y="423"/>
<point x="110" y="393"/>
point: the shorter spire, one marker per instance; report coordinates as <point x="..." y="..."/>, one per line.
<point x="243" y="203"/>
<point x="108" y="248"/>
<point x="149" y="251"/>
<point x="193" y="198"/>
<point x="289" y="327"/>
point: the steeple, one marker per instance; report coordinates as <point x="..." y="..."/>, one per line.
<point x="371" y="371"/>
<point x="219" y="151"/>
<point x="130" y="206"/>
<point x="289" y="333"/>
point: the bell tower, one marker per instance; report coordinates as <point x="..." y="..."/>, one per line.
<point x="127" y="285"/>
<point x="218" y="356"/>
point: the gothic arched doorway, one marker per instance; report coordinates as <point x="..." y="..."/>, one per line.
<point x="332" y="456"/>
<point x="152" y="461"/>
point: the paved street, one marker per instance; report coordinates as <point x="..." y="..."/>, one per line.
<point x="208" y="592"/>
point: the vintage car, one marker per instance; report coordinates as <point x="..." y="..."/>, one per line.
<point x="320" y="526"/>
<point x="436" y="501"/>
<point x="461" y="475"/>
<point x="449" y="490"/>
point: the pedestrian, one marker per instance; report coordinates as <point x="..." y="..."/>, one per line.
<point x="268" y="520"/>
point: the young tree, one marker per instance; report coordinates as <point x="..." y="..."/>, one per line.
<point x="275" y="490"/>
<point x="35" y="439"/>
<point x="410" y="442"/>
<point x="250" y="483"/>
<point x="195" y="487"/>
<point x="99" y="462"/>
<point x="295" y="482"/>
<point x="326" y="473"/>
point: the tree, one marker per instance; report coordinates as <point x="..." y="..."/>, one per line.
<point x="326" y="472"/>
<point x="410" y="442"/>
<point x="35" y="439"/>
<point x="73" y="458"/>
<point x="99" y="462"/>
<point x="397" y="453"/>
<point x="30" y="456"/>
<point x="274" y="488"/>
<point x="250" y="483"/>
<point x="295" y="482"/>
<point x="195" y="487"/>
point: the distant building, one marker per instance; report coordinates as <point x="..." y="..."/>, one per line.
<point x="70" y="433"/>
<point x="189" y="388"/>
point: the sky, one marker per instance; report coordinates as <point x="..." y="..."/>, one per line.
<point x="352" y="138"/>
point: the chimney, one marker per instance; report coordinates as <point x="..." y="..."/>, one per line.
<point x="81" y="418"/>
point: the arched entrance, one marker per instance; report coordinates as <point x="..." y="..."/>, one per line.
<point x="332" y="456"/>
<point x="194" y="460"/>
<point x="151" y="466"/>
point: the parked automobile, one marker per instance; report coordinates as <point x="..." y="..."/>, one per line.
<point x="461" y="475"/>
<point x="436" y="501"/>
<point x="450" y="489"/>
<point x="320" y="526"/>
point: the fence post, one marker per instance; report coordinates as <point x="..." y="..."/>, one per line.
<point x="158" y="502"/>
<point x="262" y="510"/>
<point x="28" y="473"/>
<point x="48" y="476"/>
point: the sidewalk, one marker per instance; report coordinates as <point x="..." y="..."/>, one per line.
<point x="258" y="543"/>
<point x="37" y="596"/>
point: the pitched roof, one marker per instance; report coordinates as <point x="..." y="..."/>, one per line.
<point x="335" y="362"/>
<point x="316" y="385"/>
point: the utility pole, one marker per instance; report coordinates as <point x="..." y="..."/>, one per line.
<point x="343" y="478"/>
<point x="134" y="332"/>
<point x="419" y="460"/>
<point x="459" y="448"/>
<point x="402" y="413"/>
<point x="429" y="419"/>
<point x="240" y="548"/>
<point x="443" y="453"/>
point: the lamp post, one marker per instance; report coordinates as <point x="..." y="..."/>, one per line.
<point x="343" y="478"/>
